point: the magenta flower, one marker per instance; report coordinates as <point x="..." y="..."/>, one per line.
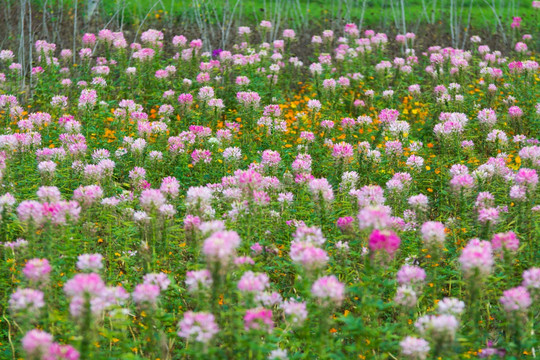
<point x="343" y="150"/>
<point x="384" y="240"/>
<point x="345" y="223"/>
<point x="516" y="22"/>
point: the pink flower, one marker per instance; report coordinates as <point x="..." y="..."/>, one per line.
<point x="87" y="99"/>
<point x="487" y="117"/>
<point x="179" y="41"/>
<point x="295" y="311"/>
<point x="515" y="112"/>
<point x="170" y="186"/>
<point x="265" y="24"/>
<point x="516" y="299"/>
<point x="374" y="217"/>
<point x="438" y="327"/>
<point x="89" y="39"/>
<point x="450" y="306"/>
<point x="200" y="327"/>
<point x="253" y="282"/>
<point x="37" y="270"/>
<point x="508" y="241"/>
<point x="531" y="278"/>
<point x="146" y="294"/>
<point x="527" y="177"/>
<point x="221" y="246"/>
<point x="36" y="343"/>
<point x="87" y="195"/>
<point x="311" y="235"/>
<point x="308" y="255"/>
<point x="82" y="284"/>
<point x="321" y="190"/>
<point x="185" y="99"/>
<point x="248" y="98"/>
<point x="343" y="150"/>
<point x="256" y="248"/>
<point x="151" y="199"/>
<point x="198" y="280"/>
<point x="488" y="216"/>
<point x="62" y="352"/>
<point x="464" y="182"/>
<point x="30" y="211"/>
<point x="314" y="105"/>
<point x="90" y="262"/>
<point x="329" y="290"/>
<point x="410" y="274"/>
<point x="201" y="155"/>
<point x="419" y="202"/>
<point x="289" y="34"/>
<point x="152" y="36"/>
<point x="258" y="319"/>
<point x="414" y="348"/>
<point x="484" y="200"/>
<point x="433" y="233"/>
<point x="387" y="116"/>
<point x="159" y="279"/>
<point x="29" y="301"/>
<point x="406" y="296"/>
<point x="242" y="260"/>
<point x="270" y="158"/>
<point x="191" y="222"/>
<point x="477" y="258"/>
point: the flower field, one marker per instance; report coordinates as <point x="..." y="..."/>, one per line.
<point x="374" y="200"/>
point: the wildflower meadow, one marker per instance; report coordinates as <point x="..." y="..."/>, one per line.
<point x="373" y="199"/>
